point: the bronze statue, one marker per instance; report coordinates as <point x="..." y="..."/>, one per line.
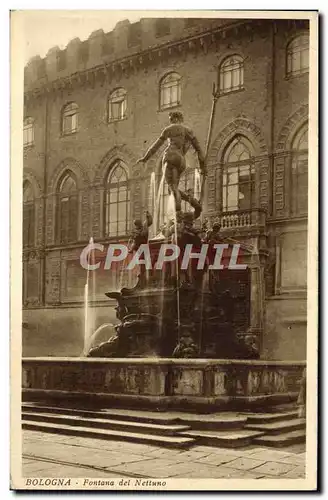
<point x="213" y="235"/>
<point x="140" y="233"/>
<point x="186" y="347"/>
<point x="186" y="227"/>
<point x="179" y="139"/>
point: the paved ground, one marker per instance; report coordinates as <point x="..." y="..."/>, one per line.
<point x="50" y="455"/>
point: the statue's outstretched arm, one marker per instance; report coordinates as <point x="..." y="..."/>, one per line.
<point x="153" y="148"/>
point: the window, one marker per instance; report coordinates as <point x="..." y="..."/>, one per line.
<point x="238" y="180"/>
<point x="298" y="56"/>
<point x="67" y="209"/>
<point x="28" y="215"/>
<point x="162" y="27"/>
<point x="231" y="74"/>
<point x="28" y="132"/>
<point x="117" y="200"/>
<point x="117" y="105"/>
<point x="299" y="172"/>
<point x="170" y="91"/>
<point x="69" y="119"/>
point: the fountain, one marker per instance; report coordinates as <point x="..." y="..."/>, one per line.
<point x="172" y="313"/>
<point x="175" y="311"/>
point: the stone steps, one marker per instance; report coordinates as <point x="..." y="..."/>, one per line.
<point x="110" y="434"/>
<point x="216" y="421"/>
<point x="225" y="439"/>
<point x="219" y="421"/>
<point x="224" y="429"/>
<point x="255" y="418"/>
<point x="127" y="415"/>
<point x="279" y="427"/>
<point x="279" y="441"/>
<point x="105" y="423"/>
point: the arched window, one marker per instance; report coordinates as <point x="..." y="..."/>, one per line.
<point x="28" y="215"/>
<point x="299" y="171"/>
<point x="170" y="91"/>
<point x="238" y="181"/>
<point x="117" y="201"/>
<point x="298" y="56"/>
<point x="70" y="118"/>
<point x="117" y="104"/>
<point x="231" y="74"/>
<point x="67" y="209"/>
<point x="28" y="132"/>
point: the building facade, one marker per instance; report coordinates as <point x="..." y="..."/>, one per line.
<point x="92" y="109"/>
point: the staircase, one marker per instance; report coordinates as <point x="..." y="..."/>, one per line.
<point x="169" y="429"/>
<point x="279" y="429"/>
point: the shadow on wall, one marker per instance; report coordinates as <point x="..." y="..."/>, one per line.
<point x="59" y="332"/>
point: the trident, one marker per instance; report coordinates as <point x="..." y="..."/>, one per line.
<point x="209" y="136"/>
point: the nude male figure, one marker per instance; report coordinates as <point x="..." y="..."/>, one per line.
<point x="179" y="139"/>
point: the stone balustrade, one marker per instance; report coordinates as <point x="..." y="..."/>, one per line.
<point x="242" y="219"/>
<point x="162" y="383"/>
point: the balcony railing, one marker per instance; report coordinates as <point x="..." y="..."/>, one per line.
<point x="242" y="219"/>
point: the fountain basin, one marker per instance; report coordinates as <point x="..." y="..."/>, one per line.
<point x="162" y="383"/>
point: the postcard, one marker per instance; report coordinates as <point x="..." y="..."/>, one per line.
<point x="164" y="250"/>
